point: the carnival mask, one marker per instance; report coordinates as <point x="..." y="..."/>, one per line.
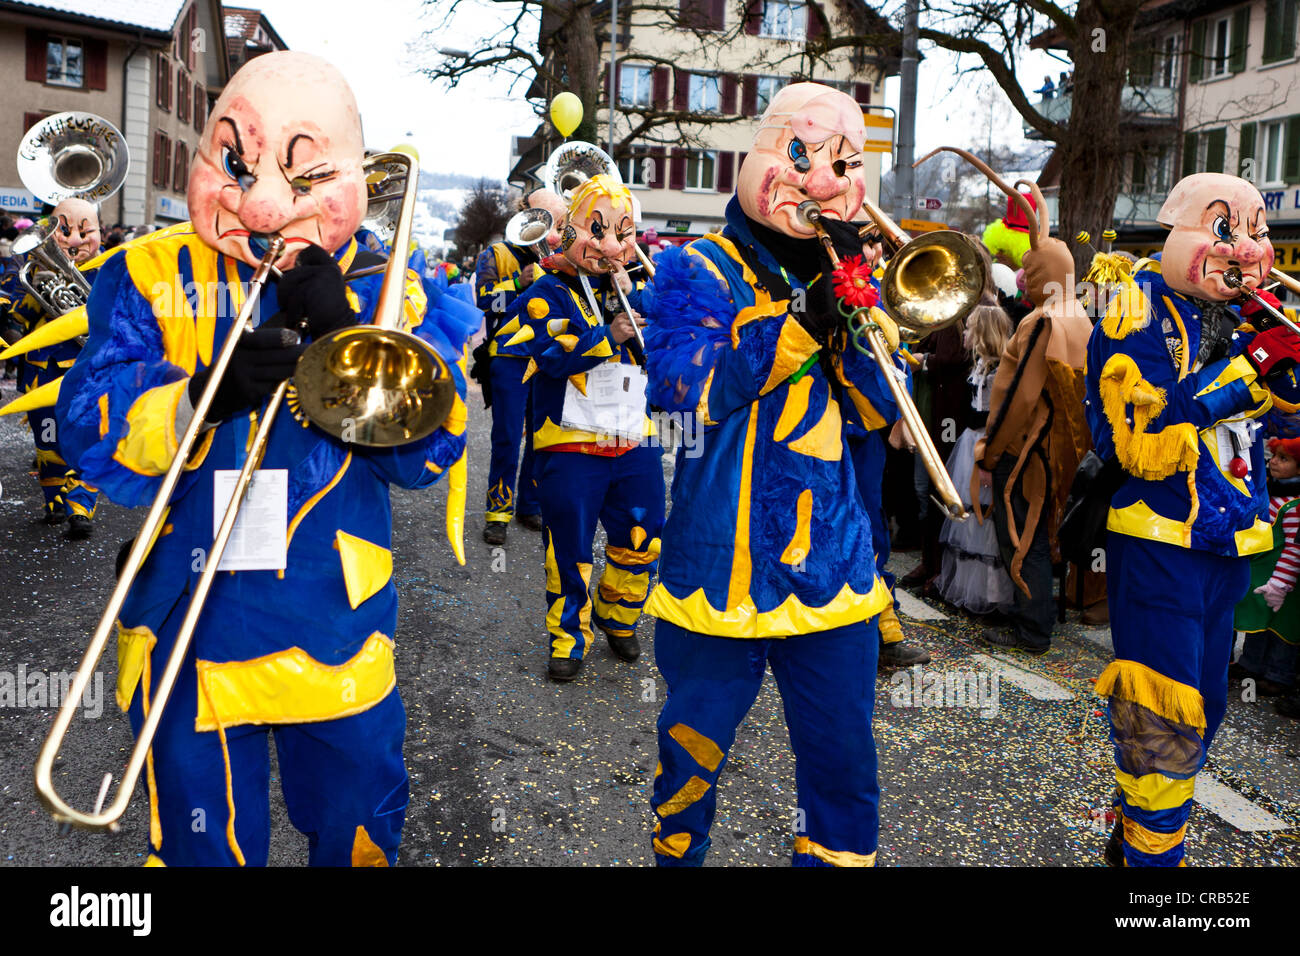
<point x="1216" y="223"/>
<point x="281" y="153"/>
<point x="808" y="146"/>
<point x="601" y="230"/>
<point x="76" y="229"/>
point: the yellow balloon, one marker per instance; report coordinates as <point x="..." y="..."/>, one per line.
<point x="566" y="113"/>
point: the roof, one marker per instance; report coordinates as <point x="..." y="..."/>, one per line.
<point x="156" y="16"/>
<point x="241" y="23"/>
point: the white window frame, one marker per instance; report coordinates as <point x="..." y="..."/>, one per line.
<point x="1167" y="72"/>
<point x="776" y="83"/>
<point x="792" y="26"/>
<point x="633" y="168"/>
<point x="1214" y="66"/>
<point x="1271" y="134"/>
<point x="695" y="159"/>
<point x="635" y="84"/>
<point x="65" y="43"/>
<point x="698" y="97"/>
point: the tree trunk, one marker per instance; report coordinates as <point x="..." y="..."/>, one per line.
<point x="581" y="52"/>
<point x="1092" y="148"/>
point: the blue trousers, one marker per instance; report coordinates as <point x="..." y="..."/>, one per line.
<point x="344" y="782"/>
<point x="626" y="495"/>
<point x="60" y="484"/>
<point x="827" y="682"/>
<point x="1171" y="622"/>
<point x="510" y="487"/>
<point x="868" y="452"/>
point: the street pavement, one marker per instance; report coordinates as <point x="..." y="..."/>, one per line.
<point x="508" y="769"/>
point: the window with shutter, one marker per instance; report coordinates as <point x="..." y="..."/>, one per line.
<point x="677" y="169"/>
<point x="753" y="17"/>
<point x="726" y="170"/>
<point x="1240" y="30"/>
<point x="200" y="107"/>
<point x="163" y="82"/>
<point x="1246" y="161"/>
<point x="1189" y="154"/>
<point x="191" y="26"/>
<point x="681" y="89"/>
<point x="181" y="167"/>
<point x="660" y="92"/>
<point x="1216" y="141"/>
<point x="1196" y="67"/>
<point x="749" y="95"/>
<point x="157" y="157"/>
<point x="1270" y="155"/>
<point x="36" y="56"/>
<point x="65" y="62"/>
<point x="1291" y="150"/>
<point x="729" y="90"/>
<point x="182" y="97"/>
<point x="785" y="19"/>
<point x="1280" y="30"/>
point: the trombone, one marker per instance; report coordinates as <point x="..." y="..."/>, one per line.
<point x="1232" y="279"/>
<point x="395" y="388"/>
<point x="930" y="282"/>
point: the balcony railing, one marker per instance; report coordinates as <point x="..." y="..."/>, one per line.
<point x="1140" y="104"/>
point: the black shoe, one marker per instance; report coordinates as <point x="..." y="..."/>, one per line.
<point x="79" y="528"/>
<point x="563" y="669"/>
<point x="917" y="577"/>
<point x="1009" y="640"/>
<point x="1288" y="706"/>
<point x="531" y="522"/>
<point x="55" y="515"/>
<point x="901" y="654"/>
<point x="624" y="648"/>
<point x="1114" y="854"/>
<point x="494" y="532"/>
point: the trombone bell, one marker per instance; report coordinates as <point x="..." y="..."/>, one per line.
<point x="934" y="280"/>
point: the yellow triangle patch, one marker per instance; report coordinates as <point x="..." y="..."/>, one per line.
<point x="366" y="567"/>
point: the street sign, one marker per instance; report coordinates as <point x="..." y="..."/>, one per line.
<point x="921" y="225"/>
<point x="880" y="133"/>
<point x="929" y="203"/>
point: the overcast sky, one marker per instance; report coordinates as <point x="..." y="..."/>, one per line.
<point x="468" y="129"/>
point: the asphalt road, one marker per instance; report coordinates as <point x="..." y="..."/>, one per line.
<point x="509" y="769"/>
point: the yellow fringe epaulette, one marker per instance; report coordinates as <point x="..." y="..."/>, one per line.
<point x="1150" y="456"/>
<point x="1109" y="268"/>
<point x="1129" y="680"/>
<point x="1128" y="310"/>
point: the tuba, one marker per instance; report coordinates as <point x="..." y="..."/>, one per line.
<point x="65" y="156"/>
<point x="573" y="164"/>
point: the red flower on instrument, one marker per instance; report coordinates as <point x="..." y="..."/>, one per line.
<point x="852" y="278"/>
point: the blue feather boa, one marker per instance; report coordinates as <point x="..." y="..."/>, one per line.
<point x="690" y="312"/>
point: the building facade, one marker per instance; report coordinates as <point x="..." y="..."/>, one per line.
<point x="713" y="81"/>
<point x="151" y="68"/>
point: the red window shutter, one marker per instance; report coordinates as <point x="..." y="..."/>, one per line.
<point x="157" y="156"/>
<point x="200" y="105"/>
<point x="660" y="179"/>
<point x="815" y="27"/>
<point x="726" y="171"/>
<point x="729" y="85"/>
<point x="681" y="94"/>
<point x="740" y="160"/>
<point x="31" y="119"/>
<point x="182" y="97"/>
<point x="753" y="17"/>
<point x="176" y="170"/>
<point x="749" y="95"/>
<point x="717" y="14"/>
<point x="36" y="56"/>
<point x="165" y="167"/>
<point x="96" y="65"/>
<point x="659" y="99"/>
<point x="677" y="169"/>
<point x="191" y="22"/>
<point x="862" y="92"/>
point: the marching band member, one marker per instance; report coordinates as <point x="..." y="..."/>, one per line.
<point x="768" y="549"/>
<point x="1173" y="394"/>
<point x="281" y="154"/>
<point x="590" y="425"/>
<point x="67" y="497"/>
<point x="502" y="273"/>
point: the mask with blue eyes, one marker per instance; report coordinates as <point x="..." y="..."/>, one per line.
<point x="1216" y="222"/>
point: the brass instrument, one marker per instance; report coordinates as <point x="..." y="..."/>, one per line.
<point x="107" y="819"/>
<point x="930" y="282"/>
<point x="1233" y="279"/>
<point x="528" y="229"/>
<point x="573" y="164"/>
<point x="65" y="156"/>
<point x="379" y="385"/>
<point x="394" y="385"/>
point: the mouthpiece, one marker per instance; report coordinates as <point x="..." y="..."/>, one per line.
<point x="808" y="212"/>
<point x="1232" y="277"/>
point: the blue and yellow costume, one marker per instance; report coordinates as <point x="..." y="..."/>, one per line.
<point x="768" y="554"/>
<point x="582" y="476"/>
<point x="497" y="279"/>
<point x="65" y="493"/>
<point x="1181" y="530"/>
<point x="325" y="686"/>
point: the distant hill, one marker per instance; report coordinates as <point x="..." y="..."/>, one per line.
<point x="431" y="180"/>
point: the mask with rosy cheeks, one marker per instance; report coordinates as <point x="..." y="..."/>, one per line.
<point x="281" y="153"/>
<point x="1216" y="222"/>
<point x="808" y="146"/>
<point x="600" y="229"/>
<point x="76" y="229"/>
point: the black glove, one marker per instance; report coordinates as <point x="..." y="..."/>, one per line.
<point x="264" y="358"/>
<point x="312" y="295"/>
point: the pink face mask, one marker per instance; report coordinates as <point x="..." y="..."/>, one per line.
<point x="601" y="230"/>
<point x="76" y="229"/>
<point x="1216" y="223"/>
<point x="808" y="146"/>
<point x="280" y="154"/>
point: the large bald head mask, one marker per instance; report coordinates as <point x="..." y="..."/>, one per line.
<point x="76" y="229"/>
<point x="1216" y="222"/>
<point x="281" y="153"/>
<point x="808" y="146"/>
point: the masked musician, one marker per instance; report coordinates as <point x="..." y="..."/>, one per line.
<point x="1174" y="394"/>
<point x="768" y="549"/>
<point x="502" y="273"/>
<point x="300" y="642"/>
<point x="67" y="497"/>
<point x="590" y="426"/>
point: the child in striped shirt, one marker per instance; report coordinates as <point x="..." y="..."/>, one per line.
<point x="1270" y="613"/>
